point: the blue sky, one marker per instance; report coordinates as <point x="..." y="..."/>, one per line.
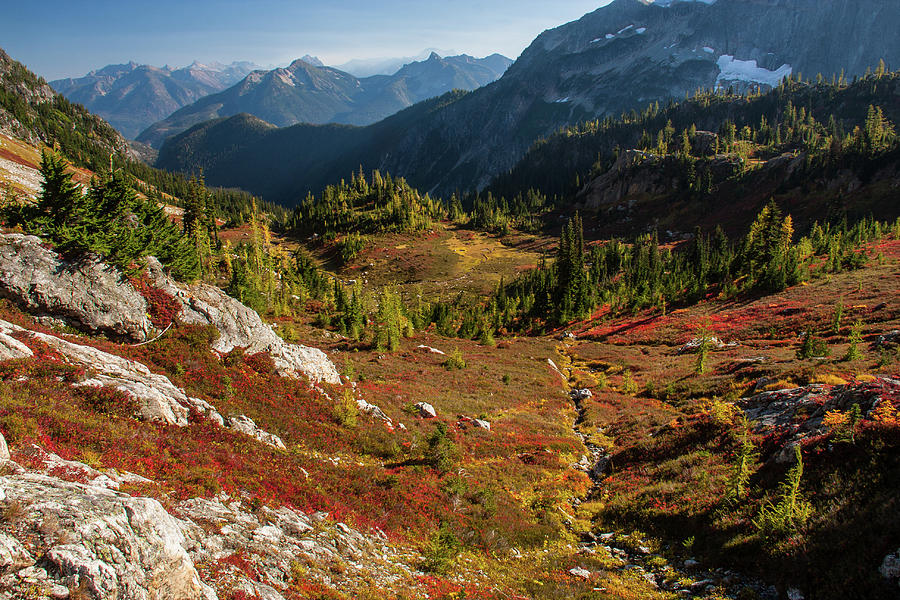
<point x="69" y="38"/>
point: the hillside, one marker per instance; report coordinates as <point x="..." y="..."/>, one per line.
<point x="315" y="94"/>
<point x="131" y="97"/>
<point x="31" y="111"/>
<point x="543" y="466"/>
<point x="656" y="358"/>
<point x="248" y="153"/>
<point x="576" y="73"/>
<point x="717" y="158"/>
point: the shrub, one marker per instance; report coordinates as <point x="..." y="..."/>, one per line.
<point x="812" y="347"/>
<point x="792" y="511"/>
<point x="455" y="360"/>
<point x="629" y="385"/>
<point x="440" y="453"/>
<point x="346" y="410"/>
<point x="443" y="547"/>
<point x="853" y="352"/>
<point x="351" y="246"/>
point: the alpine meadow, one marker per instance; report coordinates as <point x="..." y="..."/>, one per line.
<point x="617" y="318"/>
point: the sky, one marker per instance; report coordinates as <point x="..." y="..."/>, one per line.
<point x="68" y="38"/>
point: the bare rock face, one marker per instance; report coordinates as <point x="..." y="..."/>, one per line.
<point x="89" y="294"/>
<point x="633" y="174"/>
<point x="159" y="398"/>
<point x="115" y="545"/>
<point x="241" y="327"/>
<point x="245" y="425"/>
<point x="11" y="348"/>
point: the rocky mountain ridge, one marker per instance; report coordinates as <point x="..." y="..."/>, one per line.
<point x="96" y="298"/>
<point x="304" y="92"/>
<point x="132" y="96"/>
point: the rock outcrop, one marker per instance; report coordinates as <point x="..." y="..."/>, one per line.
<point x="158" y="399"/>
<point x="89" y="294"/>
<point x="241" y="327"/>
<point x="800" y="412"/>
<point x="94" y="297"/>
<point x="59" y="535"/>
<point x="109" y="544"/>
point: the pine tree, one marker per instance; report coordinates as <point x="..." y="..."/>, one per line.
<point x="388" y="321"/>
<point x="792" y="510"/>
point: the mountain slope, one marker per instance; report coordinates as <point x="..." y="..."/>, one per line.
<point x="132" y="97"/>
<point x="625" y="56"/>
<point x="31" y="111"/>
<point x="308" y="93"/>
<point x="247" y="152"/>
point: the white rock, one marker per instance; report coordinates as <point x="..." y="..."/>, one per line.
<point x="426" y="410"/>
<point x="4" y="449"/>
<point x="482" y="424"/>
<point x="11" y="348"/>
<point x="119" y="545"/>
<point x="430" y="350"/>
<point x="241" y="327"/>
<point x="159" y="398"/>
<point x="87" y="293"/>
<point x="579" y="572"/>
<point x="13" y="555"/>
<point x="245" y="425"/>
<point x="890" y="566"/>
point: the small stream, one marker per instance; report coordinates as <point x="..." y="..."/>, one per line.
<point x="687" y="578"/>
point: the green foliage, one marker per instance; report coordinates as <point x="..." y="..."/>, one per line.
<point x="703" y="352"/>
<point x="629" y="385"/>
<point x="812" y="346"/>
<point x="351" y="245"/>
<point x="838" y="316"/>
<point x="455" y="360"/>
<point x="366" y="206"/>
<point x="110" y="220"/>
<point x="835" y="125"/>
<point x="853" y="351"/>
<point x="346" y="410"/>
<point x="790" y="514"/>
<point x="389" y="321"/>
<point x="497" y="214"/>
<point x="440" y="451"/>
<point x="442" y="549"/>
<point x="738" y="481"/>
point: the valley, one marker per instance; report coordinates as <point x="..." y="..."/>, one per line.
<point x="618" y="321"/>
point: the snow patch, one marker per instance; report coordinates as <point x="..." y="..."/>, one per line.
<point x="624" y="29"/>
<point x="561" y="100"/>
<point x="610" y="36"/>
<point x="594" y="41"/>
<point x="641" y="29"/>
<point x="747" y="70"/>
<point x="709" y="50"/>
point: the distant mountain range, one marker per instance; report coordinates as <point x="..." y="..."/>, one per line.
<point x="131" y="96"/>
<point x="366" y="67"/>
<point x="305" y="92"/>
<point x="623" y="56"/>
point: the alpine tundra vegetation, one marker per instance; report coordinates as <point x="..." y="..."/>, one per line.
<point x="619" y="320"/>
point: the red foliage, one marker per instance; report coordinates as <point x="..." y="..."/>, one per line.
<point x="163" y="308"/>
